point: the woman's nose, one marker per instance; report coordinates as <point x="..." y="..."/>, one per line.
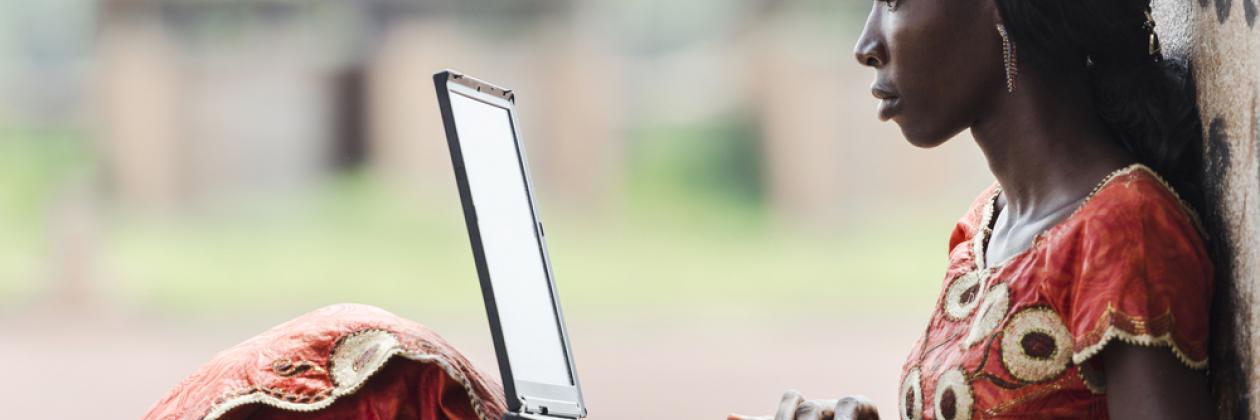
<point x="870" y="50"/>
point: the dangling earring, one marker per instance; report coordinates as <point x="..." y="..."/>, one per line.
<point x="1154" y="50"/>
<point x="1008" y="59"/>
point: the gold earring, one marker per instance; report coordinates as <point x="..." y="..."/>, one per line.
<point x="1153" y="50"/>
<point x="1008" y="59"/>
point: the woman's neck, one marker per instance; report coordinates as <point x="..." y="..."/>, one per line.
<point x="1046" y="146"/>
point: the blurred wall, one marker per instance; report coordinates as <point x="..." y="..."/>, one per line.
<point x="1223" y="44"/>
<point x="200" y="102"/>
<point x="138" y="101"/>
<point x="570" y="102"/>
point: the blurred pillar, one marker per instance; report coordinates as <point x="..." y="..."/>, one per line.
<point x="188" y="122"/>
<point x="1222" y="40"/>
<point x="797" y="94"/>
<point x="577" y="107"/>
<point x="406" y="141"/>
<point x="256" y="116"/>
<point x="796" y="97"/>
<point x="75" y="246"/>
<point x="138" y="91"/>
<point x="568" y="117"/>
<point x="350" y="112"/>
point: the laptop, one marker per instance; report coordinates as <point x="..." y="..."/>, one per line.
<point x="530" y="338"/>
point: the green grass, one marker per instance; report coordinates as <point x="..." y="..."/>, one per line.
<point x="360" y="243"/>
<point x="33" y="163"/>
<point x="687" y="233"/>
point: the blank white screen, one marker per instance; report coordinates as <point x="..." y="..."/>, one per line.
<point x="513" y="255"/>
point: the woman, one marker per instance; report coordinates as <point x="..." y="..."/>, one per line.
<point x="1079" y="284"/>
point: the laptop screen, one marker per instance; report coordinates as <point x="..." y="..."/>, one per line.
<point x="510" y="241"/>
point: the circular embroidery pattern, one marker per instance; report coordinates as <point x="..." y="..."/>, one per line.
<point x="1036" y="346"/>
<point x="992" y="310"/>
<point x="910" y="401"/>
<point x="953" y="396"/>
<point x="963" y="295"/>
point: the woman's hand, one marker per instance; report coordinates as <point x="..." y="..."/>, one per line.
<point x="793" y="406"/>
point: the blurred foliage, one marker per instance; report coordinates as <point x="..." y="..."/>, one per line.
<point x="695" y="168"/>
<point x="35" y="164"/>
<point x="690" y="232"/>
<point x="357" y="242"/>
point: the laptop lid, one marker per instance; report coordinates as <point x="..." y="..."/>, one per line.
<point x="526" y="323"/>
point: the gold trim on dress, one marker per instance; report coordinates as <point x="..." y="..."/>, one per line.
<point x="1185" y="206"/>
<point x="980" y="240"/>
<point x="288" y="367"/>
<point x="1037" y="392"/>
<point x="1113" y="324"/>
<point x="1093" y="378"/>
<point x="355" y="358"/>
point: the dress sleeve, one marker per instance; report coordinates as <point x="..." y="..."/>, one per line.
<point x="1145" y="279"/>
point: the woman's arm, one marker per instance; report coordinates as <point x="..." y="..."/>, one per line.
<point x="1149" y="383"/>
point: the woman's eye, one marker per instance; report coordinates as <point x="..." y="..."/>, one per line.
<point x="892" y="4"/>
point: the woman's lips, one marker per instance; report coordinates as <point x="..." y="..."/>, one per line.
<point x="889" y="102"/>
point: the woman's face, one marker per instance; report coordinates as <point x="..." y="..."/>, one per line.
<point x="938" y="64"/>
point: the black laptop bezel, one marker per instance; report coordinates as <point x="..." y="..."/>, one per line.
<point x="522" y="396"/>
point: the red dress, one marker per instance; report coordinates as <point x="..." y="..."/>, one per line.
<point x="339" y="362"/>
<point x="1018" y="339"/>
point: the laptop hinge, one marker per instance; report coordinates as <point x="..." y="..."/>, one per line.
<point x="525" y="416"/>
<point x="557" y="408"/>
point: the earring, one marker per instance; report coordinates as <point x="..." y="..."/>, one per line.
<point x="1008" y="59"/>
<point x="1153" y="49"/>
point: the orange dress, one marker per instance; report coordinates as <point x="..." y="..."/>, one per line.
<point x="1018" y="340"/>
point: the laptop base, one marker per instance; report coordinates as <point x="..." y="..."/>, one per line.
<point x="527" y="416"/>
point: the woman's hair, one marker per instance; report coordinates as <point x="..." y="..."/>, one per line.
<point x="1147" y="104"/>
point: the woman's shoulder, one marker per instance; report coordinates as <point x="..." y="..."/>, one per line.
<point x="1133" y="265"/>
<point x="1138" y="204"/>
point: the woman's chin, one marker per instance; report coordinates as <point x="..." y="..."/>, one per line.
<point x="922" y="139"/>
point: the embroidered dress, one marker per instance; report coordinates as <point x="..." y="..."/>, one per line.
<point x="339" y="362"/>
<point x="1018" y="338"/>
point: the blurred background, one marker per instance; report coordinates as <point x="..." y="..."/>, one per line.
<point x="726" y="216"/>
